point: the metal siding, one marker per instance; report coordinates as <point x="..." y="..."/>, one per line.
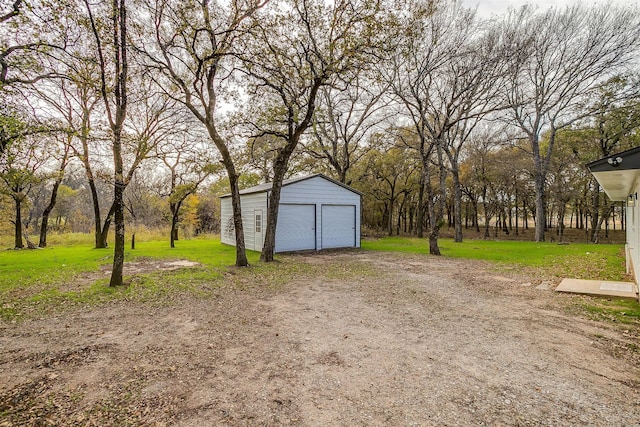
<point x="248" y="203"/>
<point x="296" y="226"/>
<point x="633" y="238"/>
<point x="227" y="231"/>
<point x="338" y="226"/>
<point x="313" y="193"/>
<point x="251" y="203"/>
<point x="319" y="191"/>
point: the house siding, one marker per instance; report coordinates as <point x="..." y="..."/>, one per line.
<point x="227" y="230"/>
<point x="249" y="204"/>
<point x="633" y="238"/>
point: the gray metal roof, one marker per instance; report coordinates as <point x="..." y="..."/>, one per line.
<point x="267" y="186"/>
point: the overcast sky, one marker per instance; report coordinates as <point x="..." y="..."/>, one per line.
<point x="486" y="8"/>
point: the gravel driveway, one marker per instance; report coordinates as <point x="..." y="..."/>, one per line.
<point x="417" y="340"/>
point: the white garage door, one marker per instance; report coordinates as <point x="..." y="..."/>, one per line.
<point x="338" y="226"/>
<point x="296" y="229"/>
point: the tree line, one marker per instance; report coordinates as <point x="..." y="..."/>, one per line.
<point x="438" y="116"/>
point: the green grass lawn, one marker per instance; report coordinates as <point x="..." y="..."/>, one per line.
<point x="42" y="277"/>
<point x="37" y="280"/>
<point x="23" y="268"/>
<point x="581" y="261"/>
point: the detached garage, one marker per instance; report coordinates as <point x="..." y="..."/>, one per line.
<point x="316" y="212"/>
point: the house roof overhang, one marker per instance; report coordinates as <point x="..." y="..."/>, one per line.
<point x="618" y="174"/>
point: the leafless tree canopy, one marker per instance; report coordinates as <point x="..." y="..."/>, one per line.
<point x="441" y="118"/>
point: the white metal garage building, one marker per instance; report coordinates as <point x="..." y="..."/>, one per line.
<point x="316" y="212"/>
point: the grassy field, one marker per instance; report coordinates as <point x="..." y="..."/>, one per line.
<point x="38" y="280"/>
<point x="580" y="261"/>
<point x="42" y="277"/>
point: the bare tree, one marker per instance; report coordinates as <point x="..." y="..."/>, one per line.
<point x="562" y="57"/>
<point x="292" y="54"/>
<point x="114" y="96"/>
<point x="348" y="111"/>
<point x="439" y="90"/>
<point x="193" y="46"/>
<point x="58" y="175"/>
<point x="74" y="100"/>
<point x="32" y="42"/>
<point x="467" y="91"/>
<point x="20" y="171"/>
<point x="154" y="118"/>
<point x="188" y="167"/>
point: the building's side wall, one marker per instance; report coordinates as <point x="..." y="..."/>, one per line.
<point x="633" y="237"/>
<point x="320" y="192"/>
<point x="227" y="230"/>
<point x="249" y="204"/>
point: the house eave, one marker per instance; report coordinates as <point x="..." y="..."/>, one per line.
<point x="617" y="174"/>
<point x="617" y="184"/>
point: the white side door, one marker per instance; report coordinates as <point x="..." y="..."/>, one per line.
<point x="258" y="235"/>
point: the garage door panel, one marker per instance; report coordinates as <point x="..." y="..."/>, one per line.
<point x="338" y="226"/>
<point x="296" y="228"/>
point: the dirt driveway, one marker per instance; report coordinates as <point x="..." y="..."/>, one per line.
<point x="416" y="341"/>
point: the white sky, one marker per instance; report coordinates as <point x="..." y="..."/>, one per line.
<point x="487" y="8"/>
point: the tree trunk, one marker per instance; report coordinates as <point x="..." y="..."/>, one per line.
<point x="54" y="195"/>
<point x="97" y="220"/>
<point x="390" y="218"/>
<point x="516" y="212"/>
<point x="476" y="219"/>
<point x="268" y="250"/>
<point x="540" y="217"/>
<point x="18" y="222"/>
<point x="118" y="204"/>
<point x="342" y="173"/>
<point x="420" y="211"/>
<point x="104" y="231"/>
<point x="175" y="211"/>
<point x="401" y="214"/>
<point x="47" y="211"/>
<point x="84" y="157"/>
<point x="241" y="251"/>
<point x="457" y="205"/>
<point x="595" y="218"/>
<point x="561" y="214"/>
<point x="99" y="241"/>
<point x="433" y="221"/>
<point x="434" y="249"/>
<point x="438" y="213"/>
<point x="595" y="236"/>
<point x="412" y="213"/>
<point x="540" y="172"/>
<point x="487" y="214"/>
